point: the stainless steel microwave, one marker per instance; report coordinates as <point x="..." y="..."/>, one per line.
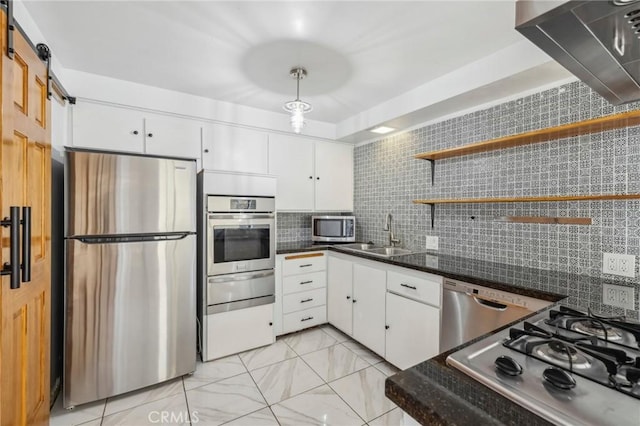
<point x="333" y="228"/>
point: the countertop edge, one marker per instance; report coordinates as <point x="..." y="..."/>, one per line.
<point x="427" y="391"/>
<point x="398" y="261"/>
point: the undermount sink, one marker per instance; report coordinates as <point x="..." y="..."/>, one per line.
<point x="376" y="250"/>
<point x="358" y="246"/>
<point x="389" y="251"/>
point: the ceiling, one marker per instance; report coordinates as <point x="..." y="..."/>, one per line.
<point x="358" y="54"/>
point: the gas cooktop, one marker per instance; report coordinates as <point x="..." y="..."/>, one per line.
<point x="567" y="366"/>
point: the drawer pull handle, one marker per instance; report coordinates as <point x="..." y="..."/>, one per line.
<point x="348" y="297"/>
<point x="354" y="300"/>
<point x="408" y="286"/>
<point x="306" y="265"/>
<point x="306" y="319"/>
<point x="306" y="300"/>
<point x="305" y="282"/>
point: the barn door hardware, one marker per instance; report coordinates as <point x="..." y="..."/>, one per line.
<point x="10" y="27"/>
<point x="45" y="56"/>
<point x="13" y="266"/>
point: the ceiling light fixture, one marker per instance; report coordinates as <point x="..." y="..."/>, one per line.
<point x="381" y="130"/>
<point x="297" y="108"/>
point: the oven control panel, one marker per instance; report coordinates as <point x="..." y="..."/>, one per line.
<point x="235" y="204"/>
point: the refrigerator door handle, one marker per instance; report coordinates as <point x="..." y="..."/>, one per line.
<point x="132" y="238"/>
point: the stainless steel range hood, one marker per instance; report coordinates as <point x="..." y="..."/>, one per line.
<point x="598" y="41"/>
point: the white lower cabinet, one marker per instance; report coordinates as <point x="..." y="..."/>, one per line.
<point x="339" y="293"/>
<point x="301" y="293"/>
<point x="235" y="331"/>
<point x="356" y="300"/>
<point x="413" y="333"/>
<point x="304" y="319"/>
<point x="393" y="311"/>
<point x="369" y="289"/>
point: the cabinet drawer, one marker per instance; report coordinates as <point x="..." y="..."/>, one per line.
<point x="304" y="282"/>
<point x="304" y="319"/>
<point x="421" y="289"/>
<point x="303" y="263"/>
<point x="304" y="300"/>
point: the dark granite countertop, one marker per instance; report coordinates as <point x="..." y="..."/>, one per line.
<point x="434" y="393"/>
<point x="300" y="246"/>
<point x="536" y="283"/>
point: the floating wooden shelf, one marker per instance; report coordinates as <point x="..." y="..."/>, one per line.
<point x="530" y="199"/>
<point x="595" y="125"/>
<point x="600" y="197"/>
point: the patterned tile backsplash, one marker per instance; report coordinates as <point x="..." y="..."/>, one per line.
<point x="388" y="178"/>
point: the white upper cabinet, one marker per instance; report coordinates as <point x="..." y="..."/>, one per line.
<point x="291" y="160"/>
<point x="312" y="175"/>
<point x="171" y="136"/>
<point x="108" y="128"/>
<point x="111" y="128"/>
<point x="234" y="149"/>
<point x="334" y="177"/>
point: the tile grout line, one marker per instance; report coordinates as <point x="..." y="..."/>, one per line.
<point x="333" y="390"/>
<point x="357" y="372"/>
<point x="184" y="390"/>
<point x="256" y="384"/>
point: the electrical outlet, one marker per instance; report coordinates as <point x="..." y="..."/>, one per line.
<point x="619" y="296"/>
<point x="619" y="264"/>
<point x="432" y="243"/>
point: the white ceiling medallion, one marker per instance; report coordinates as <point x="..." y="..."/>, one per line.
<point x="297" y="108"/>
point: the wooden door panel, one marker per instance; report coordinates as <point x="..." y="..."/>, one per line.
<point x="15" y="380"/>
<point x="20" y="82"/>
<point x="37" y="354"/>
<point x="39" y="112"/>
<point x="25" y="181"/>
<point x="37" y="193"/>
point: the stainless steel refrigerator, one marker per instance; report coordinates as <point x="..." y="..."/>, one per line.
<point x="130" y="295"/>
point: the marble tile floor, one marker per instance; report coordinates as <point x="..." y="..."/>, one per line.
<point x="317" y="376"/>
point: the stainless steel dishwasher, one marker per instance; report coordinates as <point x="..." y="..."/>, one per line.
<point x="470" y="310"/>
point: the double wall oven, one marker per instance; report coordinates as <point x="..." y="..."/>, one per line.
<point x="240" y="242"/>
<point x="236" y="273"/>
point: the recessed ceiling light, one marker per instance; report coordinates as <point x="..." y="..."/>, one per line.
<point x="382" y="130"/>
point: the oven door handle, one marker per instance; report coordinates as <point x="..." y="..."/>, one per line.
<point x="241" y="277"/>
<point x="242" y="216"/>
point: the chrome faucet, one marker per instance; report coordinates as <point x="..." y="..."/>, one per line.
<point x="393" y="241"/>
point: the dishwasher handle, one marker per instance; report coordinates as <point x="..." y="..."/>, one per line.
<point x="490" y="304"/>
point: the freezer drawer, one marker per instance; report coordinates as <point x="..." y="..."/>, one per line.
<point x="225" y="289"/>
<point x="113" y="194"/>
<point x="130" y="316"/>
